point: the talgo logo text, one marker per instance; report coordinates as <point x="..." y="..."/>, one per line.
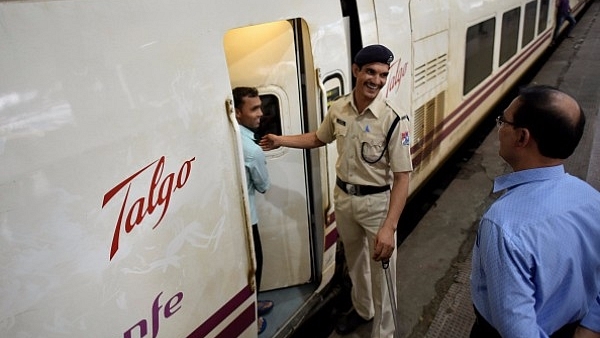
<point x="135" y="208"/>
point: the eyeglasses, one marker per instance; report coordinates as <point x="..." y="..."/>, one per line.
<point x="500" y="120"/>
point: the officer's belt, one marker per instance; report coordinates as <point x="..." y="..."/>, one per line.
<point x="360" y="190"/>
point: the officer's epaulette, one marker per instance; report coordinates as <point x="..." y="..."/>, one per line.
<point x="396" y="111"/>
<point x="342" y="96"/>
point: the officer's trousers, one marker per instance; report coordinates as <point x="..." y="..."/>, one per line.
<point x="358" y="219"/>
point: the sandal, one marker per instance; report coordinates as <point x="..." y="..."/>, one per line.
<point x="264" y="306"/>
<point x="262" y="324"/>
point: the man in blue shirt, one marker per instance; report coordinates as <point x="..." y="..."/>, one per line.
<point x="536" y="260"/>
<point x="248" y="111"/>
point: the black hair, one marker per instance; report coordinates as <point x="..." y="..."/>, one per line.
<point x="556" y="134"/>
<point x="239" y="93"/>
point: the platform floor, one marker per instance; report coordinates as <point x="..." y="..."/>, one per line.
<point x="573" y="67"/>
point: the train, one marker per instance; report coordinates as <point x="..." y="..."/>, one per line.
<point x="123" y="204"/>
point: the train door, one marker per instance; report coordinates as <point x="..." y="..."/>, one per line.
<point x="266" y="56"/>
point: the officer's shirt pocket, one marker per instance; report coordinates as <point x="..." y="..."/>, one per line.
<point x="372" y="147"/>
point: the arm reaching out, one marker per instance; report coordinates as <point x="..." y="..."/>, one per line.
<point x="302" y="141"/>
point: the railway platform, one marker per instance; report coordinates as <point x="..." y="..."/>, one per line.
<point x="435" y="259"/>
<point x="442" y="242"/>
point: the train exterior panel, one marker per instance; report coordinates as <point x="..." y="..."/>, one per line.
<point x="123" y="195"/>
<point x="467" y="55"/>
<point x="123" y="208"/>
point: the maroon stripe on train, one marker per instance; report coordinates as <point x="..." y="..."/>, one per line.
<point x="239" y="324"/>
<point x="225" y="310"/>
<point x="330" y="219"/>
<point x="467" y="107"/>
<point x="331" y="238"/>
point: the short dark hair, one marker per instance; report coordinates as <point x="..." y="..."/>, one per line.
<point x="556" y="134"/>
<point x="239" y="93"/>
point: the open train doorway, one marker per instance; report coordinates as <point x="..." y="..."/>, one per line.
<point x="270" y="57"/>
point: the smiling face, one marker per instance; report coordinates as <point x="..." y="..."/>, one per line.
<point x="370" y="78"/>
<point x="250" y="112"/>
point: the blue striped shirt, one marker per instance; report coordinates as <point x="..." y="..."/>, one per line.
<point x="536" y="260"/>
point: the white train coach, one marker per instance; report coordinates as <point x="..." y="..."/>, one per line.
<point x="123" y="203"/>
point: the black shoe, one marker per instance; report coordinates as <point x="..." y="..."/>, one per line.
<point x="349" y="322"/>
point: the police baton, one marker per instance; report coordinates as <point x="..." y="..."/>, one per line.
<point x="388" y="277"/>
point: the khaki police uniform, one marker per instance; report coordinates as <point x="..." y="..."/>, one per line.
<point x="364" y="161"/>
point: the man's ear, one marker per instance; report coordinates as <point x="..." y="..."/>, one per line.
<point x="355" y="69"/>
<point x="524" y="137"/>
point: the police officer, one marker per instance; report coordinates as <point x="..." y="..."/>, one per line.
<point x="372" y="168"/>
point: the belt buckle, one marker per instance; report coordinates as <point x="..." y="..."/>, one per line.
<point x="351" y="188"/>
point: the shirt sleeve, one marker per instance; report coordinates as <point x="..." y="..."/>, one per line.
<point x="325" y="133"/>
<point x="508" y="276"/>
<point x="399" y="147"/>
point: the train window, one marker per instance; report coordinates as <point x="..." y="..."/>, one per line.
<point x="509" y="40"/>
<point x="479" y="53"/>
<point x="543" y="19"/>
<point x="333" y="94"/>
<point x="270" y="123"/>
<point x="334" y="86"/>
<point x="529" y="22"/>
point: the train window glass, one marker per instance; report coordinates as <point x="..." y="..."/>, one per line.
<point x="529" y="22"/>
<point x="334" y="88"/>
<point x="509" y="40"/>
<point x="543" y="20"/>
<point x="270" y="123"/>
<point x="333" y="94"/>
<point x="479" y="53"/>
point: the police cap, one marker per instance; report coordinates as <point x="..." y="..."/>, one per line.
<point x="373" y="53"/>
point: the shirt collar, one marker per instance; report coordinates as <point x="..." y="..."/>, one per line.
<point x="247" y="132"/>
<point x="375" y="107"/>
<point x="514" y="179"/>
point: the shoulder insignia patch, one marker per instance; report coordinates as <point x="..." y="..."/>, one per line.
<point x="405" y="138"/>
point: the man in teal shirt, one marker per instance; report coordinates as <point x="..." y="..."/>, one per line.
<point x="248" y="112"/>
